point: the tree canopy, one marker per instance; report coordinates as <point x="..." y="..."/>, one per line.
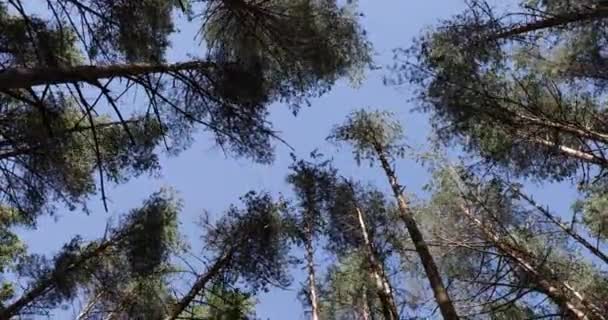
<point x="96" y="93"/>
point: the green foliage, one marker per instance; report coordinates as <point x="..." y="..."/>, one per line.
<point x="329" y="204"/>
<point x="11" y="247"/>
<point x="532" y="108"/>
<point x="593" y="208"/>
<point x="256" y="240"/>
<point x="64" y="137"/>
<point x="517" y="104"/>
<point x="370" y="133"/>
<point x="139" y="298"/>
<point x="344" y="229"/>
<point x="224" y="303"/>
<point x="478" y="263"/>
<point x="313" y="185"/>
<point x="54" y="155"/>
<point x="124" y="271"/>
<point x="510" y="311"/>
<point x="152" y="234"/>
<point x="348" y="293"/>
<point x="35" y="42"/>
<point x="138" y="30"/>
<point x="283" y="46"/>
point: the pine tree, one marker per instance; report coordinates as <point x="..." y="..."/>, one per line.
<point x="68" y="74"/>
<point x="250" y="246"/>
<point x="524" y="93"/>
<point x="113" y="267"/>
<point x="524" y="105"/>
<point x="534" y="258"/>
<point x="223" y="303"/>
<point x="129" y="274"/>
<point x="311" y="186"/>
<point x="375" y="136"/>
<point x="352" y="218"/>
<point x="69" y="70"/>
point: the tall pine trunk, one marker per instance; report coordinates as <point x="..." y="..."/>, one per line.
<point x="364" y="307"/>
<point x="310" y="266"/>
<point x="430" y="267"/>
<point x="383" y="287"/>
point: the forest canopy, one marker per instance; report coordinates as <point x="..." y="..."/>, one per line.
<point x="97" y="95"/>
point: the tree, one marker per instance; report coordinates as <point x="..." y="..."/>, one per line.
<point x="359" y="216"/>
<point x="224" y="303"/>
<point x="350" y="217"/>
<point x="250" y="246"/>
<point x="523" y="105"/>
<point x="130" y="273"/>
<point x="69" y="70"/>
<point x="310" y="186"/>
<point x="523" y="92"/>
<point x="374" y="135"/>
<point x="68" y="77"/>
<point x="114" y="266"/>
<point x="538" y="257"/>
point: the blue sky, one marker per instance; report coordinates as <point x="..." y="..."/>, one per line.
<point x="208" y="180"/>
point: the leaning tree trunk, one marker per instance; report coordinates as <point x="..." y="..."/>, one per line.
<point x="601" y="12"/>
<point x="430" y="267"/>
<point x="310" y="265"/>
<point x="200" y="284"/>
<point x="383" y="287"/>
<point x="23" y="78"/>
<point x="555" y="220"/>
<point x="571" y="303"/>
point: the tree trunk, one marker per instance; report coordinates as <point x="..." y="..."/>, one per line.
<point x="364" y="307"/>
<point x="310" y="265"/>
<point x="553" y="21"/>
<point x="23" y="78"/>
<point x="200" y="284"/>
<point x="370" y="305"/>
<point x="574" y="129"/>
<point x="86" y="310"/>
<point x="572" y="153"/>
<point x="594" y="250"/>
<point x="432" y="272"/>
<point x="383" y="287"/>
<point x="572" y="303"/>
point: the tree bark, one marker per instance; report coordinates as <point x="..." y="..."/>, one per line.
<point x="200" y="284"/>
<point x="86" y="310"/>
<point x="23" y="78"/>
<point x="572" y="153"/>
<point x="383" y="287"/>
<point x="430" y="267"/>
<point x="365" y="310"/>
<point x="310" y="265"/>
<point x="554" y="21"/>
